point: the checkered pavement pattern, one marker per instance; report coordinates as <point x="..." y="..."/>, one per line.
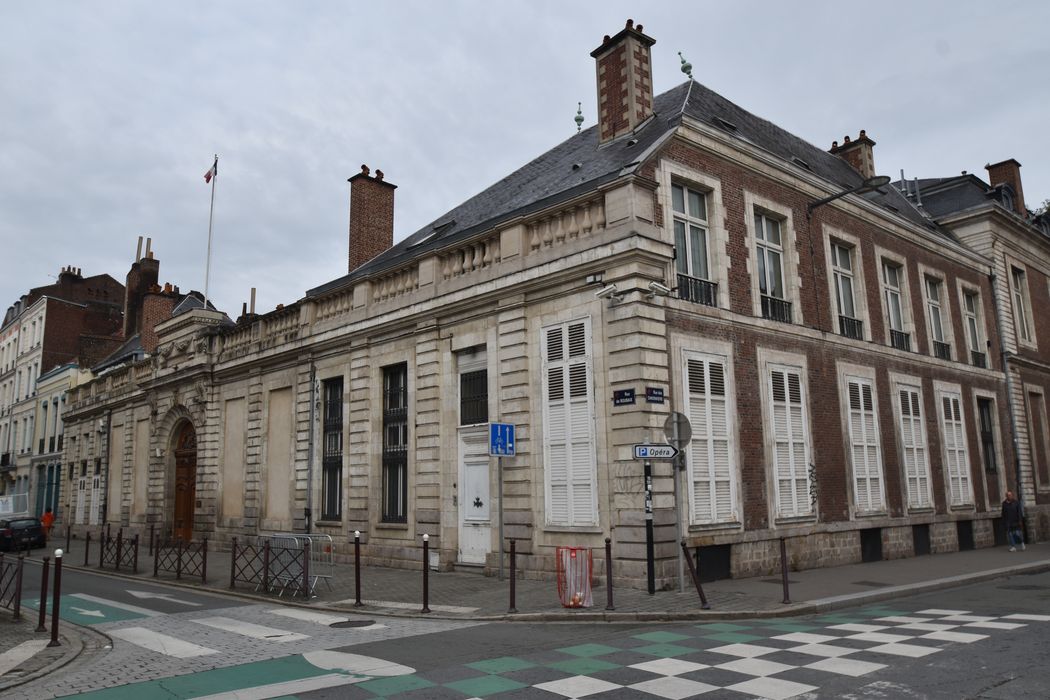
<point x="774" y="659"/>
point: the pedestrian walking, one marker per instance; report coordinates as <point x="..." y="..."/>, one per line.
<point x="1012" y="520"/>
<point x="48" y="521"/>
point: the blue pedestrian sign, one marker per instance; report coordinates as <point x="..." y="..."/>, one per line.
<point x="501" y="440"/>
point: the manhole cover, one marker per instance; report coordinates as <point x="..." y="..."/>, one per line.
<point x="1023" y="587"/>
<point x="872" y="584"/>
<point x="352" y="623"/>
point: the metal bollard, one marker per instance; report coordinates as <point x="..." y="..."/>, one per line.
<point x="103" y="541"/>
<point x="69" y="533"/>
<point x="44" y="571"/>
<point x="233" y="560"/>
<point x="704" y="605"/>
<point x="135" y="558"/>
<point x="17" y="601"/>
<point x="608" y="575"/>
<point x="151" y="526"/>
<point x="56" y="599"/>
<point x="784" y="569"/>
<point x="357" y="568"/>
<point x="426" y="574"/>
<point x="513" y="607"/>
<point x="266" y="566"/>
<point x="87" y="547"/>
<point x="306" y="569"/>
<point x="204" y="563"/>
<point x="178" y="561"/>
<point x="120" y="546"/>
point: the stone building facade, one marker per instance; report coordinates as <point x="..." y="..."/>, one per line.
<point x="683" y="255"/>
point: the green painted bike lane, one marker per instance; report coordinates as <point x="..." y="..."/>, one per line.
<point x="87" y="612"/>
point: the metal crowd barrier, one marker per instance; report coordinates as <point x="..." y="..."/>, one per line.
<point x="290" y="570"/>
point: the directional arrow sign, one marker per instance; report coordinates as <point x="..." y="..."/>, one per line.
<point x="650" y="451"/>
<point x="89" y="613"/>
<point x="163" y="596"/>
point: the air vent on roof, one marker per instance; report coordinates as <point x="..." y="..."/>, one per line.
<point x="577" y="166"/>
<point x="799" y="162"/>
<point x="725" y="124"/>
<point x="632" y="142"/>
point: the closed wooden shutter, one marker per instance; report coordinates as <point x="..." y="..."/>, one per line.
<point x="572" y="497"/>
<point x="913" y="443"/>
<point x="709" y="457"/>
<point x="864" y="446"/>
<point x="790" y="451"/>
<point x="957" y="463"/>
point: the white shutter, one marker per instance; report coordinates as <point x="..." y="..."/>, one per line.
<point x="790" y="451"/>
<point x="957" y="463"/>
<point x="913" y="442"/>
<point x="709" y="456"/>
<point x="572" y="497"/>
<point x="864" y="446"/>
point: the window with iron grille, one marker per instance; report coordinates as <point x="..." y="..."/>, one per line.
<point x="971" y="306"/>
<point x="395" y="443"/>
<point x="474" y="397"/>
<point x="842" y="272"/>
<point x="692" y="261"/>
<point x="941" y="347"/>
<point x="984" y="417"/>
<point x="332" y="449"/>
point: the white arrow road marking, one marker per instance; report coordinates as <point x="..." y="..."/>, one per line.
<point x="164" y="596"/>
<point x="89" y="613"/>
<point x="161" y="643"/>
<point x="249" y="629"/>
<point x="15" y="656"/>
<point x="287" y="688"/>
<point x="116" y="604"/>
<point x="308" y="615"/>
<point x="356" y="663"/>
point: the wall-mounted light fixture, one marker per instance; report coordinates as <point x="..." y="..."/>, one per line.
<point x="869" y="185"/>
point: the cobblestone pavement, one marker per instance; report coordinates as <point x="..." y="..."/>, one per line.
<point x="149" y="647"/>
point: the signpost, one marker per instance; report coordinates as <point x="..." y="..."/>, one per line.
<point x="502" y="443"/>
<point x="679" y="432"/>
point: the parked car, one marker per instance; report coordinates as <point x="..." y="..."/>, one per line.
<point x="21" y="533"/>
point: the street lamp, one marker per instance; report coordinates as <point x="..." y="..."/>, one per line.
<point x="869" y="184"/>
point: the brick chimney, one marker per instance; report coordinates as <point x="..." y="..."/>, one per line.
<point x="1008" y="172"/>
<point x="857" y="153"/>
<point x="143" y="275"/>
<point x="371" y="216"/>
<point x="625" y="82"/>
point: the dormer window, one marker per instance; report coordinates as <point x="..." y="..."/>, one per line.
<point x="1006" y="197"/>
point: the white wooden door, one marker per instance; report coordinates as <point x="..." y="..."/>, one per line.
<point x="475" y="496"/>
<point x="96" y="499"/>
<point x="81" y="495"/>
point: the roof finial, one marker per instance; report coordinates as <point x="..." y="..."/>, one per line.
<point x="687" y="67"/>
<point x="579" y="116"/>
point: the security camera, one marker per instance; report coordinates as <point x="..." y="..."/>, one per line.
<point x="658" y="289"/>
<point x="606" y="292"/>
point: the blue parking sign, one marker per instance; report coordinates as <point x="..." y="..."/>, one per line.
<point x="501" y="440"/>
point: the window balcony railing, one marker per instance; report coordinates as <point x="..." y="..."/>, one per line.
<point x="697" y="290"/>
<point x="776" y="309"/>
<point x="900" y="340"/>
<point x="5" y="459"/>
<point x="942" y="350"/>
<point x="978" y="359"/>
<point x="851" y="327"/>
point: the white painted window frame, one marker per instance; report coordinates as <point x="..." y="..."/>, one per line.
<point x="756" y="204"/>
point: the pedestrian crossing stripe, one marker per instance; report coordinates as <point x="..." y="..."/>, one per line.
<point x="261" y="679"/>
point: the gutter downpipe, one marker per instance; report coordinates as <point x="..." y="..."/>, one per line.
<point x="1005" y="354"/>
<point x="310" y="449"/>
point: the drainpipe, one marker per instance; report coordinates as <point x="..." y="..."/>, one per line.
<point x="1005" y="354"/>
<point x="310" y="448"/>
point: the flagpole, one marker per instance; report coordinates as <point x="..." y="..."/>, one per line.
<point x="211" y="213"/>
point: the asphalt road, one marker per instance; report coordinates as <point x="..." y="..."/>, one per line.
<point x="983" y="641"/>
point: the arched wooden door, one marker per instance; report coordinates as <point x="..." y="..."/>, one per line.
<point x="185" y="482"/>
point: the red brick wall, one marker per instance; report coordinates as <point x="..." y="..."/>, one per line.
<point x="77" y="333"/>
<point x="829" y="450"/>
<point x="1009" y="172"/>
<point x="156" y="308"/>
<point x="142" y="276"/>
<point x="371" y="218"/>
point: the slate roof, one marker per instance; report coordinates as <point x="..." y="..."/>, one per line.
<point x="579" y="164"/>
<point x="948" y="195"/>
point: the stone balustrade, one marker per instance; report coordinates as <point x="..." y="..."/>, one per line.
<point x="570" y="223"/>
<point x="476" y="255"/>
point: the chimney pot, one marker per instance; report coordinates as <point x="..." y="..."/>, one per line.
<point x="280" y="306"/>
<point x="834" y="145"/>
<point x="371" y="217"/>
<point x="845" y="139"/>
<point x="863" y="134"/>
<point x="623" y="65"/>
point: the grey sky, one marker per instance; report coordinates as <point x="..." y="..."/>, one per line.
<point x="110" y="112"/>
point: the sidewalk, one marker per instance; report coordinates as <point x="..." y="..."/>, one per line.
<point x="463" y="595"/>
<point x="24" y="654"/>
